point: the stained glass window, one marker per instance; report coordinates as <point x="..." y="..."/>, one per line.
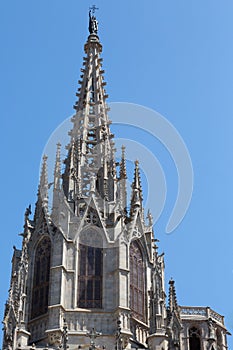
<point x="90" y="277"/>
<point x="41" y="274"/>
<point x="137" y="277"/>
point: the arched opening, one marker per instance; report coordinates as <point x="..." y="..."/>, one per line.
<point x="137" y="282"/>
<point x="219" y="339"/>
<point x="90" y="276"/>
<point x="194" y="339"/>
<point x="40" y="290"/>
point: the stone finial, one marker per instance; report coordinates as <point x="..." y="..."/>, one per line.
<point x="64" y="343"/>
<point x="119" y="336"/>
<point x="92" y="335"/>
<point x="137" y="178"/>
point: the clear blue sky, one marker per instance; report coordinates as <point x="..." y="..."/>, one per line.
<point x="174" y="56"/>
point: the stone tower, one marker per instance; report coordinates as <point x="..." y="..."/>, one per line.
<point x="89" y="274"/>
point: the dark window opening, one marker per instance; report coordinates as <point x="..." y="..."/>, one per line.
<point x="41" y="274"/>
<point x="137" y="282"/>
<point x="194" y="339"/>
<point x="90" y="277"/>
<point x="219" y="339"/>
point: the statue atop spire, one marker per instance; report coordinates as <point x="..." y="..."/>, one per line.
<point x="93" y="23"/>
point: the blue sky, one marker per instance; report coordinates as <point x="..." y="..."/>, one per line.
<point x="174" y="56"/>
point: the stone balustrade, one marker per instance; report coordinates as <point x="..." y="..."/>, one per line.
<point x="206" y="312"/>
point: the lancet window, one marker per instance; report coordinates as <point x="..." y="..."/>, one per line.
<point x="137" y="282"/>
<point x="194" y="339"/>
<point x="90" y="277"/>
<point x="219" y="339"/>
<point x="40" y="290"/>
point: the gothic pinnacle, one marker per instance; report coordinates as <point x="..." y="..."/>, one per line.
<point x="123" y="174"/>
<point x="72" y="157"/>
<point x="149" y="218"/>
<point x="57" y="168"/>
<point x="136" y="198"/>
<point x="43" y="186"/>
<point x="172" y="296"/>
<point x="137" y="179"/>
<point x="56" y="183"/>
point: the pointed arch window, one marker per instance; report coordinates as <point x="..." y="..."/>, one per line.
<point x="90" y="277"/>
<point x="137" y="282"/>
<point x="194" y="339"/>
<point x="219" y="339"/>
<point x="40" y="290"/>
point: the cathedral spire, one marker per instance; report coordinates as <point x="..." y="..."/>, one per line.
<point x="91" y="127"/>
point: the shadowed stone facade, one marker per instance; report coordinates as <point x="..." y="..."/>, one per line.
<point x="89" y="274"/>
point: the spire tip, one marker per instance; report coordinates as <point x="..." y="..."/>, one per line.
<point x="93" y="23"/>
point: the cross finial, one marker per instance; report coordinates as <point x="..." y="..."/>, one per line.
<point x="92" y="335"/>
<point x="93" y="23"/>
<point x="93" y="8"/>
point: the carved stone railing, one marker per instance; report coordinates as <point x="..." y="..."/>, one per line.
<point x="84" y="321"/>
<point x="37" y="328"/>
<point x="213" y="314"/>
<point x="201" y="311"/>
<point x="188" y="310"/>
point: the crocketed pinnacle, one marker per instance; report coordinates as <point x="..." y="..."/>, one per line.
<point x="43" y="186"/>
<point x="123" y="173"/>
<point x="136" y="197"/>
<point x="137" y="179"/>
<point x="42" y="196"/>
<point x="172" y="301"/>
<point x="149" y="218"/>
<point x="57" y="168"/>
<point x="56" y="183"/>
